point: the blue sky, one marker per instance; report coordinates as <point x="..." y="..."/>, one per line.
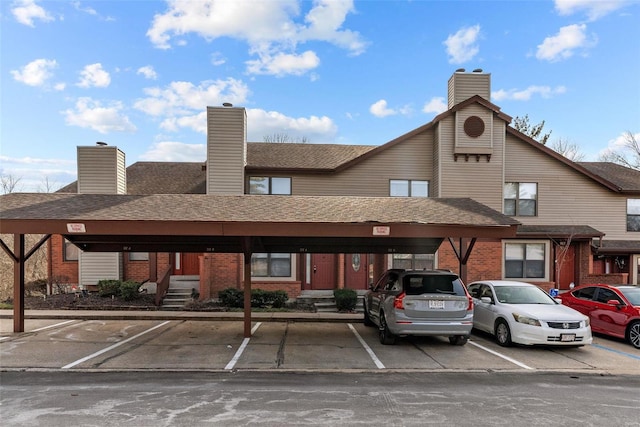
<point x="140" y="74"/>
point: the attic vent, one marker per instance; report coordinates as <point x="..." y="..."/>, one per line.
<point x="474" y="126"/>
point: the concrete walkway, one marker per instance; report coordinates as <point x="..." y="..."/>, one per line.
<point x="186" y="315"/>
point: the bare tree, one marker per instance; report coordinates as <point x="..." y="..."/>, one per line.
<point x="47" y="186"/>
<point x="9" y="183"/>
<point x="630" y="148"/>
<point x="570" y="150"/>
<point x="534" y="131"/>
<point x="284" y="138"/>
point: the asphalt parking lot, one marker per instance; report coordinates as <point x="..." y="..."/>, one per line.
<point x="218" y="345"/>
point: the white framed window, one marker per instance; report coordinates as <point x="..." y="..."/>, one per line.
<point x="413" y="261"/>
<point x="70" y="252"/>
<point x="633" y="214"/>
<point x="408" y="188"/>
<point x="270" y="265"/>
<point x="526" y="259"/>
<point x="269" y="185"/>
<point x="521" y="198"/>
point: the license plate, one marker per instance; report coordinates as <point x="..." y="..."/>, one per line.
<point x="439" y="304"/>
<point x="567" y="337"/>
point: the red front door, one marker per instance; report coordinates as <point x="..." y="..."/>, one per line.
<point x="356" y="271"/>
<point x="187" y="264"/>
<point x="323" y="271"/>
<point x="565" y="263"/>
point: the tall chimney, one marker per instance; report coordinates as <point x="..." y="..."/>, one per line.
<point x="101" y="170"/>
<point x="226" y="149"/>
<point x="463" y="85"/>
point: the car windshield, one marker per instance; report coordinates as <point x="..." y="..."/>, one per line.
<point x="522" y="295"/>
<point x="632" y="294"/>
<point x="433" y="284"/>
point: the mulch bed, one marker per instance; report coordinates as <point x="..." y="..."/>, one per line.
<point x="91" y="301"/>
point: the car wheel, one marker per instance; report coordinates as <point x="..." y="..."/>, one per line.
<point x="503" y="333"/>
<point x="633" y="334"/>
<point x="367" y="319"/>
<point x="458" y="339"/>
<point x="386" y="337"/>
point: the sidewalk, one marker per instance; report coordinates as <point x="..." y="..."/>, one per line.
<point x="185" y="315"/>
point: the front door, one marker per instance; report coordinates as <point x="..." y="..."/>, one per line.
<point x="323" y="271"/>
<point x="565" y="264"/>
<point x="356" y="271"/>
<point x="187" y="264"/>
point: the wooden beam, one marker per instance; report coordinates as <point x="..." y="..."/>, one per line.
<point x="18" y="283"/>
<point x="247" y="286"/>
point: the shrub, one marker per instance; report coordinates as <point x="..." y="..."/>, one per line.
<point x="129" y="290"/>
<point x="231" y="297"/>
<point x="36" y="287"/>
<point x="346" y="299"/>
<point x="108" y="288"/>
<point x="234" y="298"/>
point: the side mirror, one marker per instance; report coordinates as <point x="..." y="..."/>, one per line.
<point x="486" y="300"/>
<point x="615" y="302"/>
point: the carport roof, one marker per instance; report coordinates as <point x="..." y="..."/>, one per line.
<point x="200" y="223"/>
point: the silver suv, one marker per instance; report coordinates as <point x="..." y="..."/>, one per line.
<point x="419" y="302"/>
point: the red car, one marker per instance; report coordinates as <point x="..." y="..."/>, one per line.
<point x="613" y="309"/>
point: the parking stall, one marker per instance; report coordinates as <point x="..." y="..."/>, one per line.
<point x="281" y="345"/>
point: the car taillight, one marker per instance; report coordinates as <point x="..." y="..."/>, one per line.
<point x="398" y="301"/>
<point x="470" y="306"/>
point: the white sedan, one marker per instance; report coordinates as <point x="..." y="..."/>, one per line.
<point x="522" y="313"/>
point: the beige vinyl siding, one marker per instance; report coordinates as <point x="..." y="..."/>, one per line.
<point x="462" y="86"/>
<point x="226" y="150"/>
<point x="101" y="170"/>
<point x="411" y="159"/>
<point x="435" y="181"/>
<point x="482" y="144"/>
<point x="96" y="266"/>
<point x="566" y="196"/>
<point x="478" y="179"/>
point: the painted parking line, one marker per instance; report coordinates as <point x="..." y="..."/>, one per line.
<point x="367" y="348"/>
<point x="104" y="350"/>
<point x="54" y="325"/>
<point x="244" y="344"/>
<point x="507" y="358"/>
<point x="633" y="356"/>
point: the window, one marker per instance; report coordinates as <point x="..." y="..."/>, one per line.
<point x="413" y="261"/>
<point x="585" y="293"/>
<point x="269" y="185"/>
<point x="520" y="198"/>
<point x="138" y="256"/>
<point x="633" y="214"/>
<point x="271" y="265"/>
<point x="69" y="251"/>
<point x="408" y="188"/>
<point x="605" y="295"/>
<point x="525" y="260"/>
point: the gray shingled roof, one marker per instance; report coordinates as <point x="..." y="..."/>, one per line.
<point x="263" y="155"/>
<point x="559" y="231"/>
<point x="626" y="179"/>
<point x="249" y="208"/>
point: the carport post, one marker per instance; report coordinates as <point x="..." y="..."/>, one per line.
<point x="247" y="288"/>
<point x="18" y="283"/>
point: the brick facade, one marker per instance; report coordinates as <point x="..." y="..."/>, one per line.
<point x="62" y="272"/>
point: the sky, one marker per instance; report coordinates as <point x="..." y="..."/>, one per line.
<point x="139" y="74"/>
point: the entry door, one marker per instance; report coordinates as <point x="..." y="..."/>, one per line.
<point x="635" y="269"/>
<point x="565" y="262"/>
<point x="323" y="271"/>
<point x="356" y="271"/>
<point x="187" y="264"/>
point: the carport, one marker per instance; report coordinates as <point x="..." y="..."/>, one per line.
<point x="244" y="224"/>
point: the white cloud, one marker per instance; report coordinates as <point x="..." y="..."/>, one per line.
<point x="148" y="72"/>
<point x="86" y="9"/>
<point x="196" y="122"/>
<point x="104" y="119"/>
<point x="94" y="76"/>
<point x="170" y="151"/>
<point x="594" y="9"/>
<point x="38" y="174"/>
<point x="619" y="144"/>
<point x="26" y="11"/>
<point x="217" y="59"/>
<point x="261" y="123"/>
<point x="282" y="64"/>
<point x="564" y="44"/>
<point x="380" y="109"/>
<point x="270" y="29"/>
<point x="462" y="46"/>
<point x="435" y="105"/>
<point x="526" y="94"/>
<point x="35" y="73"/>
<point x="185" y="98"/>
